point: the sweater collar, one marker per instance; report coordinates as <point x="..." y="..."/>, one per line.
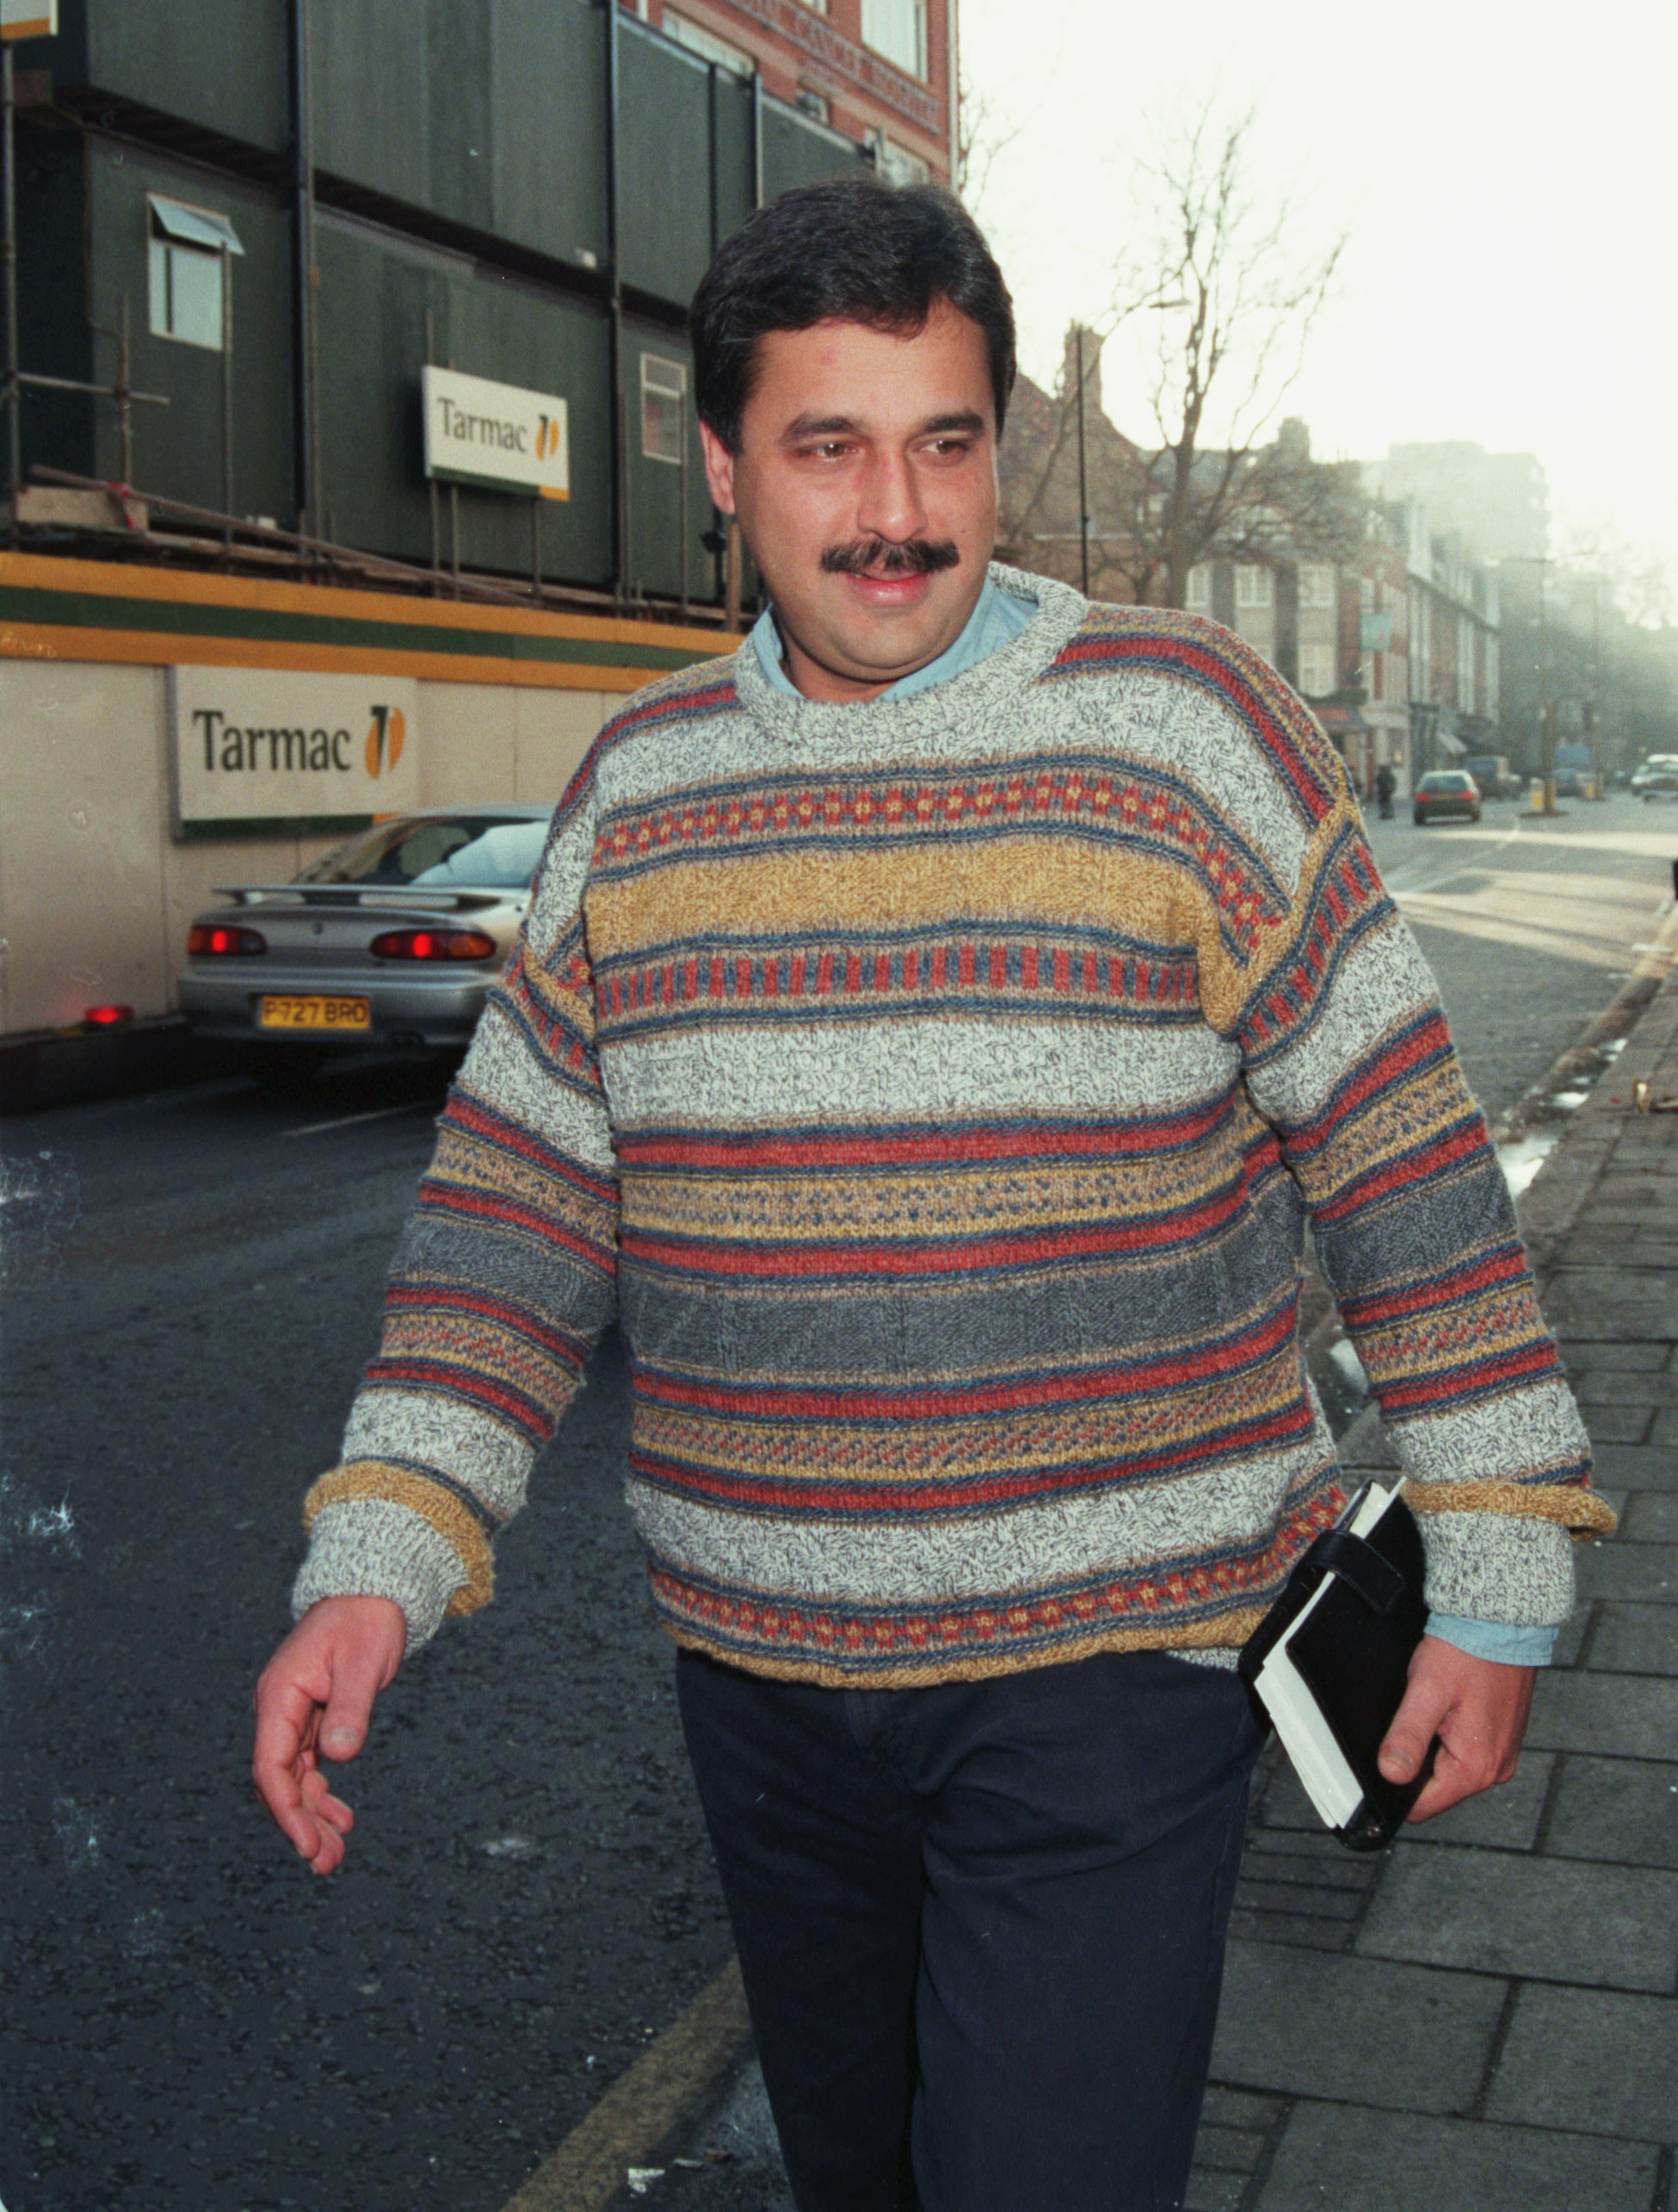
<point x="961" y="698"/>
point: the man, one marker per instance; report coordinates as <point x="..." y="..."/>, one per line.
<point x="933" y="1027"/>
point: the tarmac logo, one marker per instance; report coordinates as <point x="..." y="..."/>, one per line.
<point x="387" y="733"/>
<point x="547" y="436"/>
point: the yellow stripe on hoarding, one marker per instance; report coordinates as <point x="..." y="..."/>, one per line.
<point x="344" y="602"/>
<point x="160" y="649"/>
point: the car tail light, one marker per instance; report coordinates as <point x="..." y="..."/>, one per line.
<point x="432" y="944"/>
<point x="205" y="937"/>
<point x="108" y="1017"/>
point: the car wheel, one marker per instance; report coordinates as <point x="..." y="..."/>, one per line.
<point x="1418" y="818"/>
<point x="283" y="1071"/>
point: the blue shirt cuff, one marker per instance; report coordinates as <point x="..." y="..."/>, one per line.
<point x="1503" y="1640"/>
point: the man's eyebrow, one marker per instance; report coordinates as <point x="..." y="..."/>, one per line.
<point x="842" y="426"/>
<point x="819" y="426"/>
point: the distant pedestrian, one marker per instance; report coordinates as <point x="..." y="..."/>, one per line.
<point x="935" y="1025"/>
<point x="1384" y="784"/>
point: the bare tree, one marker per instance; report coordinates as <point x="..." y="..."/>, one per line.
<point x="1217" y="274"/>
<point x="1642" y="573"/>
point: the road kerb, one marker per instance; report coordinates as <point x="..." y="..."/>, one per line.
<point x="668" y="2083"/>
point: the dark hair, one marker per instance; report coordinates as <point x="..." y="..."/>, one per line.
<point x="851" y="249"/>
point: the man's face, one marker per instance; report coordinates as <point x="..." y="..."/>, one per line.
<point x="866" y="486"/>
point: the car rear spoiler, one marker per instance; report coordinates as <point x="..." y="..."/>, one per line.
<point x="376" y="895"/>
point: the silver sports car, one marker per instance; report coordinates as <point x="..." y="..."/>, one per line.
<point x="391" y="941"/>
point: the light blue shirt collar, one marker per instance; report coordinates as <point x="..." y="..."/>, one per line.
<point x="999" y="617"/>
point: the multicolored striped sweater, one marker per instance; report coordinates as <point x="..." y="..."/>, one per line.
<point x="938" y="1090"/>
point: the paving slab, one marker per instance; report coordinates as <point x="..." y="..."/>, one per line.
<point x="1627" y="1715"/>
<point x="1591" y="2059"/>
<point x="1240" y="2109"/>
<point x="1612" y="1387"/>
<point x="1632" y="1574"/>
<point x="1635" y="1467"/>
<point x="1505" y="1819"/>
<point x="1619" y="1424"/>
<point x="1600" y="1245"/>
<point x="1571" y="1636"/>
<point x="1497" y="1913"/>
<point x="1228" y="2150"/>
<point x="1634" y="1640"/>
<point x="1319" y="2024"/>
<point x="1330" y="2160"/>
<point x="1651" y="1519"/>
<point x="1623" y="1810"/>
<point x="1591" y="1303"/>
<point x="1646" y="1359"/>
<point x="1213" y="2192"/>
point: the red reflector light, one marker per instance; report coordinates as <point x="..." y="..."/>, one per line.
<point x="202" y="937"/>
<point x="432" y="944"/>
<point x="108" y="1017"/>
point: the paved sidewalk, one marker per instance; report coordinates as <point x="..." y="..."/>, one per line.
<point x="1485" y="2018"/>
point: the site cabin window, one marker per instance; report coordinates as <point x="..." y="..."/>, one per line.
<point x="898" y="29"/>
<point x="664" y="407"/>
<point x="1200" y="586"/>
<point x="1252" y="584"/>
<point x="896" y="164"/>
<point x="188" y="248"/>
<point x="706" y="44"/>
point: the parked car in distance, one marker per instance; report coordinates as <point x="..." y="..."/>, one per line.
<point x="1573" y="767"/>
<point x="390" y="942"/>
<point x="1446" y="794"/>
<point x="1495" y="778"/>
<point x="1656" y="778"/>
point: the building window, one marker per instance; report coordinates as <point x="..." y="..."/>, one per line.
<point x="1252" y="585"/>
<point x="706" y="44"/>
<point x="896" y="164"/>
<point x="1317" y="583"/>
<point x="189" y="248"/>
<point x="1200" y="586"/>
<point x="1316" y="671"/>
<point x="898" y="29"/>
<point x="663" y="408"/>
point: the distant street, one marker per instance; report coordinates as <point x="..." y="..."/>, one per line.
<point x="192" y="1283"/>
<point x="1531" y="925"/>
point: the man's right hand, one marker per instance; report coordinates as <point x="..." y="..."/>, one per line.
<point x="315" y="1698"/>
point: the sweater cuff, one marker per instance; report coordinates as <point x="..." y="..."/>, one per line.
<point x="1492" y="1566"/>
<point x="1505" y="1641"/>
<point x="369" y="1548"/>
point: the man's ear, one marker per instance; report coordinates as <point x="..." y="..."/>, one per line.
<point x="718" y="469"/>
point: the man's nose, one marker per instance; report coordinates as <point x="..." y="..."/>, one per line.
<point x="890" y="505"/>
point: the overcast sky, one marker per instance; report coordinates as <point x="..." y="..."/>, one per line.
<point x="1507" y="175"/>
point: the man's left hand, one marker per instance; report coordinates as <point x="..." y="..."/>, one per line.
<point x="1477" y="1708"/>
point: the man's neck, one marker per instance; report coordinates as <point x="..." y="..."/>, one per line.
<point x="997" y="617"/>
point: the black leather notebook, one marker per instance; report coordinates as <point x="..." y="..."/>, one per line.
<point x="1329" y="1662"/>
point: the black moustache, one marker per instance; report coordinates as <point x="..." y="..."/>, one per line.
<point x="879" y="556"/>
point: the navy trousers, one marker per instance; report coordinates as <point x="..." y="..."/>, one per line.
<point x="981" y="1925"/>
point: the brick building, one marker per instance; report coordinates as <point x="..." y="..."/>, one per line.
<point x="879" y="71"/>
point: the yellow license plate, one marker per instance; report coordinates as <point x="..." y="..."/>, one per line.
<point x="289" y="1011"/>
